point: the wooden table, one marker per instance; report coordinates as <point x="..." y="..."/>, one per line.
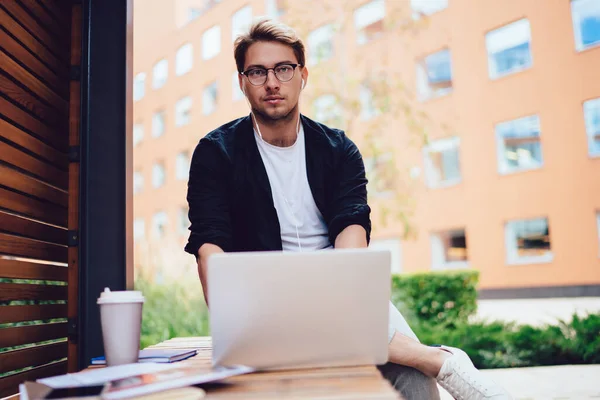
<point x="363" y="382"/>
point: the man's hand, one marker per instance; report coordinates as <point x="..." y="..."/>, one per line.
<point x="352" y="237"/>
<point x="205" y="251"/>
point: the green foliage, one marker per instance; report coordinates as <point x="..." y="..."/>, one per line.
<point x="439" y="298"/>
<point x="171" y="310"/>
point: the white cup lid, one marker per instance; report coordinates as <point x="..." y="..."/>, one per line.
<point x="124" y="296"/>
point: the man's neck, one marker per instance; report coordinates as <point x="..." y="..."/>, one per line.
<point x="280" y="133"/>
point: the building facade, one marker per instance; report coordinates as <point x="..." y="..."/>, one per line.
<point x="491" y="133"/>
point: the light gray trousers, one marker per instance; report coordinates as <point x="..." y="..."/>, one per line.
<point x="409" y="382"/>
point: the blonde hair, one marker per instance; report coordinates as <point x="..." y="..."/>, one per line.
<point x="267" y="30"/>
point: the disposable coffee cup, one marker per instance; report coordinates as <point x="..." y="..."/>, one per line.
<point x="121" y="319"/>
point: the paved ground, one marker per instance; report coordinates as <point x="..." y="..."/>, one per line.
<point x="561" y="382"/>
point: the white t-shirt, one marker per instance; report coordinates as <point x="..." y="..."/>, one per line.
<point x="301" y="222"/>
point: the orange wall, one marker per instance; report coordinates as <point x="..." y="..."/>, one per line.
<point x="566" y="189"/>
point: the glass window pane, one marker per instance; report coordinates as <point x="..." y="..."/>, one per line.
<point x="211" y="42"/>
<point x="591" y="111"/>
<point x="368" y="20"/>
<point x="509" y="48"/>
<point x="158" y="174"/>
<point x="209" y="99"/>
<point x="519" y="145"/>
<point x="528" y="240"/>
<point x="139" y="86"/>
<point x="586" y="23"/>
<point x="240" y="21"/>
<point x="320" y="44"/>
<point x="449" y="249"/>
<point x="158" y="124"/>
<point x="184" y="59"/>
<point x="442" y="163"/>
<point x="159" y="224"/>
<point x="182" y="166"/>
<point x="427" y="7"/>
<point x="160" y="73"/>
<point x="183" y="109"/>
<point x="138" y="134"/>
<point x="434" y="75"/>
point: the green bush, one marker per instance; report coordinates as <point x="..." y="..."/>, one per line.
<point x="436" y="297"/>
<point x="171" y="310"/>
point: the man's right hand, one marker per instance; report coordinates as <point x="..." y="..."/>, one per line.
<point x="205" y="251"/>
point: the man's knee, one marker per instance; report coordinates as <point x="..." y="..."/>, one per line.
<point x="409" y="382"/>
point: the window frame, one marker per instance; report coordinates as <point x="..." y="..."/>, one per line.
<point x="181" y="56"/>
<point x="502" y="167"/>
<point x="489" y="37"/>
<point x="511" y="247"/>
<point x="575" y="17"/>
<point x="435" y="240"/>
<point x="437" y="146"/>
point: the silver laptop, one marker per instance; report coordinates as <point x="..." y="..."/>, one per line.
<point x="276" y="310"/>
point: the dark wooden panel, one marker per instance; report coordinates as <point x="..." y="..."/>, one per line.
<point x="17" y="269"/>
<point x="43" y="170"/>
<point x="10" y="384"/>
<point x="34" y="84"/>
<point x="18" y="181"/>
<point x="11" y="133"/>
<point x="33" y="44"/>
<point x="32" y="229"/>
<point x="47" y="19"/>
<point x="53" y="137"/>
<point x="31" y="102"/>
<point x="19" y="246"/>
<point x="60" y="10"/>
<point x="31" y="62"/>
<point x="42" y="211"/>
<point x="18" y="291"/>
<point x="32" y="356"/>
<point x="21" y="15"/>
<point x="32" y="313"/>
<point x="20" y="335"/>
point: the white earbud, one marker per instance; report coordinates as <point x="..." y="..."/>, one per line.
<point x="302" y="84"/>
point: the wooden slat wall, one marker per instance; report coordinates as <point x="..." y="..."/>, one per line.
<point x="39" y="187"/>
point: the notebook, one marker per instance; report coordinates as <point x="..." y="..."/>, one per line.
<point x="156" y="356"/>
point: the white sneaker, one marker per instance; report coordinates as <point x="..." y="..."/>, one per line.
<point x="463" y="381"/>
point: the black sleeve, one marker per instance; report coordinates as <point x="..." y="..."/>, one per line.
<point x="349" y="206"/>
<point x="207" y="196"/>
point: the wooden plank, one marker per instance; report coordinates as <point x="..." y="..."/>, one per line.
<point x="21" y="226"/>
<point x="17" y="269"/>
<point x="34" y="84"/>
<point x="32" y="356"/>
<point x="24" y="291"/>
<point x="60" y="10"/>
<point x="10" y="384"/>
<point x="21" y="335"/>
<point x="47" y="20"/>
<point x="13" y="134"/>
<point x="32" y="63"/>
<point x="41" y="169"/>
<point x="76" y="21"/>
<point x="31" y="102"/>
<point x="20" y="14"/>
<point x="30" y="207"/>
<point x="26" y="120"/>
<point x="22" y="247"/>
<point x="33" y="44"/>
<point x="36" y="312"/>
<point x="16" y="180"/>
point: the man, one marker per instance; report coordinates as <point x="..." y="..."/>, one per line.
<point x="276" y="180"/>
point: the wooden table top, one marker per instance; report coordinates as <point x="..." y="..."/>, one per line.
<point x="364" y="382"/>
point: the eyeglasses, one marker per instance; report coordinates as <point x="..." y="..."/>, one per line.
<point x="258" y="76"/>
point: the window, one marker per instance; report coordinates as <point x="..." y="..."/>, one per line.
<point x="449" y="250"/>
<point x="138" y="134"/>
<point x="528" y="241"/>
<point x="586" y="23"/>
<point x="138" y="182"/>
<point x="211" y="42"/>
<point x="183" y="108"/>
<point x="434" y="75"/>
<point x="393" y="246"/>
<point x="509" y="49"/>
<point x="275" y="8"/>
<point x="236" y="92"/>
<point x="183" y="223"/>
<point x="367" y="103"/>
<point x="442" y="166"/>
<point x="139" y="229"/>
<point x="591" y="112"/>
<point x="379" y="170"/>
<point x="320" y="44"/>
<point x="139" y="86"/>
<point x="519" y="146"/>
<point x="427" y="7"/>
<point x="158" y="174"/>
<point x="327" y="110"/>
<point x="160" y="72"/>
<point x="209" y="99"/>
<point x="182" y="166"/>
<point x="158" y="123"/>
<point x="240" y="21"/>
<point x="368" y="21"/>
<point x="184" y="59"/>
<point x="159" y="224"/>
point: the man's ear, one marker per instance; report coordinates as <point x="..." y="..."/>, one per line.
<point x="304" y="77"/>
<point x="241" y="83"/>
